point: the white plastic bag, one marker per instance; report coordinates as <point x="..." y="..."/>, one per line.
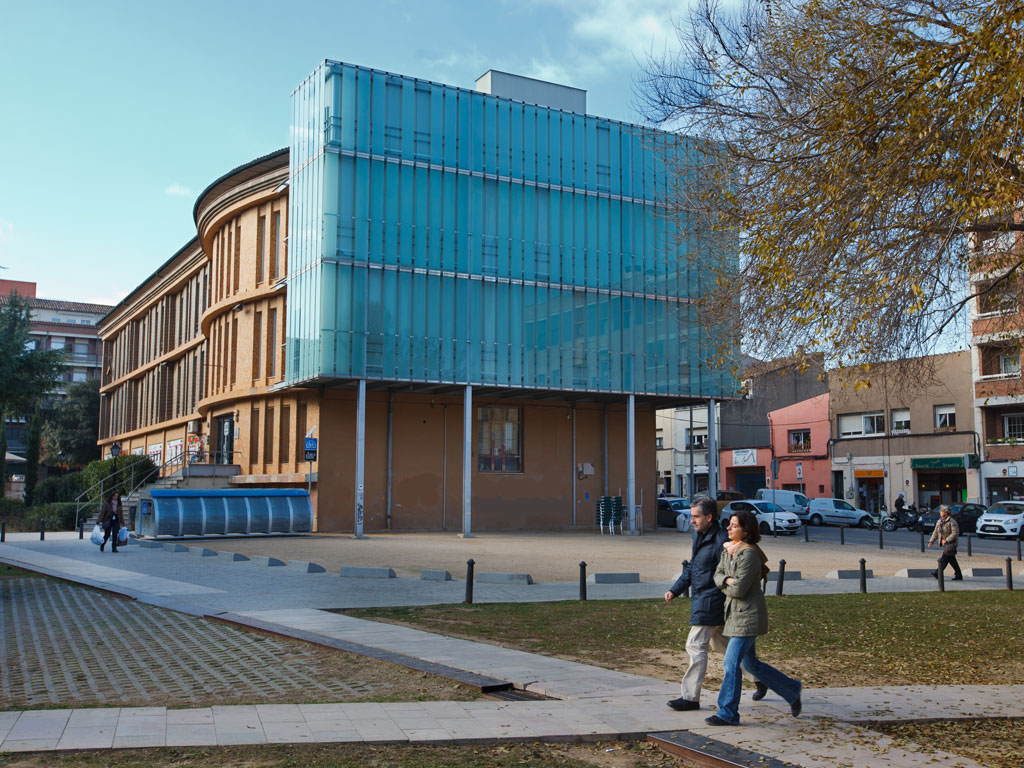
<point x="122" y="535"/>
<point x="96" y="537"/>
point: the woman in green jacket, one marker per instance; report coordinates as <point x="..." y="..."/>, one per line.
<point x="739" y="575"/>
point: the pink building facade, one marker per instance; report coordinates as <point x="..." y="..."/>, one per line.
<point x="800" y="436"/>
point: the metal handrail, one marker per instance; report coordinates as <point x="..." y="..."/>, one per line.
<point x="196" y="456"/>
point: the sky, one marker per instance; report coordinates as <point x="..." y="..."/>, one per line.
<point x="114" y="116"/>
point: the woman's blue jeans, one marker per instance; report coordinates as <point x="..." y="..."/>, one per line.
<point x="740" y="652"/>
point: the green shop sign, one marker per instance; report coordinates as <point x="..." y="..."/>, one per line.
<point x="963" y="461"/>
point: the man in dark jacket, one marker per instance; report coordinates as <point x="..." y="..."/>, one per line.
<point x="707" y="602"/>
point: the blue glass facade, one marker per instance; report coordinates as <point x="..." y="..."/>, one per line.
<point x="438" y="234"/>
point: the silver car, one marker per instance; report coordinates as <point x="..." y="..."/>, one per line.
<point x="769" y="516"/>
<point x="836" y="512"/>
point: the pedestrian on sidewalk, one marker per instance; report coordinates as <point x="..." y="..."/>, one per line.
<point x="707" y="603"/>
<point x="111" y="519"/>
<point x="947" y="532"/>
<point x="739" y="574"/>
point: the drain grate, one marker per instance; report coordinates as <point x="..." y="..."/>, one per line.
<point x="511" y="694"/>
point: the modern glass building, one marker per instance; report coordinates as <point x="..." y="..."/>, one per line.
<point x="440" y="234"/>
<point x="472" y="299"/>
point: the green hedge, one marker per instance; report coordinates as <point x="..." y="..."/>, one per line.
<point x="59" y="516"/>
<point x="64" y="488"/>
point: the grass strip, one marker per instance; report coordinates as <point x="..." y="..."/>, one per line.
<point x="828" y="640"/>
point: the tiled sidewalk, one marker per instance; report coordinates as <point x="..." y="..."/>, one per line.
<point x="594" y="703"/>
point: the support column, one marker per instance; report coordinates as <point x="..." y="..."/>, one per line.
<point x="467" y="463"/>
<point x="712" y="451"/>
<point x="360" y="454"/>
<point x="631" y="462"/>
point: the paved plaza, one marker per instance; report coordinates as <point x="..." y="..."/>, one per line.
<point x="587" y="702"/>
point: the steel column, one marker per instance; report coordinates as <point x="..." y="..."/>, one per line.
<point x="631" y="461"/>
<point x="467" y="463"/>
<point x="360" y="455"/>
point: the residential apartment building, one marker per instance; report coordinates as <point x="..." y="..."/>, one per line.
<point x="900" y="434"/>
<point x="681" y="439"/>
<point x="57" y="324"/>
<point x="997" y="324"/>
<point x="746" y="447"/>
<point x="470" y="298"/>
<point x="800" y="440"/>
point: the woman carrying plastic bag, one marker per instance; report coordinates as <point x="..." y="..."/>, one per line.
<point x="96" y="537"/>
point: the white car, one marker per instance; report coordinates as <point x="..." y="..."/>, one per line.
<point x="836" y="512"/>
<point x="769" y="516"/>
<point x="1004" y="518"/>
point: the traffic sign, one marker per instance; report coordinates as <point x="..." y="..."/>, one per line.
<point x="310" y="449"/>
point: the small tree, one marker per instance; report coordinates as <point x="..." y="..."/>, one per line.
<point x="72" y="425"/>
<point x="32" y="452"/>
<point x="26" y="373"/>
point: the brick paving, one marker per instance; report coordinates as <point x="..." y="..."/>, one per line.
<point x="63" y="644"/>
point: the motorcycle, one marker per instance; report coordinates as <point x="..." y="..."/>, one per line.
<point x="905" y="518"/>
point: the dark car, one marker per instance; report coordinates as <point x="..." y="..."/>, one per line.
<point x="669" y="508"/>
<point x="966" y="516"/>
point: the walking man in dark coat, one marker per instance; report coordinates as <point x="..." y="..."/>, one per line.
<point x="707" y="602"/>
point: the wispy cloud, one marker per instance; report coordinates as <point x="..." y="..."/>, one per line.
<point x="6" y="231"/>
<point x="176" y="190"/>
<point x="609" y="34"/>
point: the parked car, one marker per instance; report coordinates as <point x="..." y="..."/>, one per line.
<point x="791" y="501"/>
<point x="769" y="516"/>
<point x="1004" y="518"/>
<point x="836" y="512"/>
<point x="724" y="497"/>
<point x="966" y="516"/>
<point x="669" y="508"/>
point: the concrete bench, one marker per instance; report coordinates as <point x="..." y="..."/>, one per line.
<point x="432" y="575"/>
<point x="365" y="572"/>
<point x="233" y="557"/>
<point x="150" y="544"/>
<point x="984" y="572"/>
<point x="201" y="552"/>
<point x="490" y="577"/>
<point x="851" y="573"/>
<point x="914" y="573"/>
<point x="790" y="575"/>
<point x="172" y="547"/>
<point x="264" y="560"/>
<point x="303" y="567"/>
<point x="614" y="578"/>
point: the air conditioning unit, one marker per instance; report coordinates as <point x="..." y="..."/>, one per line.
<point x="194" y="427"/>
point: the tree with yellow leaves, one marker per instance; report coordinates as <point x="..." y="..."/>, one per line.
<point x="865" y="155"/>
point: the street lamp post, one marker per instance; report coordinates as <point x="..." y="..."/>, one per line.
<point x="115" y="451"/>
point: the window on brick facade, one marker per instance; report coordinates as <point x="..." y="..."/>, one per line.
<point x="500" y="436"/>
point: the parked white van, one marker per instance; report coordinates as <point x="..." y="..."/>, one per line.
<point x="791" y="501"/>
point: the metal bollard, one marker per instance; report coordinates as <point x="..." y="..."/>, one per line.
<point x="863" y="577"/>
<point x="942" y="579"/>
<point x="842" y="534"/>
<point x="1009" y="575"/>
<point x="881" y="544"/>
<point x="968" y="537"/>
<point x="81" y="528"/>
<point x="583" y="580"/>
<point x="469" y="580"/>
<point x="807" y="533"/>
<point x="782" y="578"/>
<point x="1018" y="550"/>
<point x="3" y="531"/>
<point x="922" y="541"/>
<point x="42" y="530"/>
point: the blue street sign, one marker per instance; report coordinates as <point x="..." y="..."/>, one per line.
<point x="310" y="443"/>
